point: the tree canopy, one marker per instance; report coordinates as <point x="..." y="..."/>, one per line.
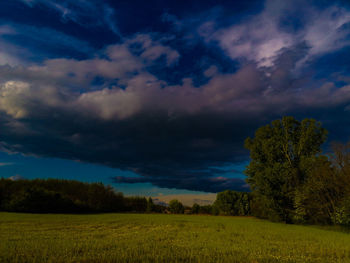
<point x="281" y="156"/>
<point x="176" y="207"/>
<point x="233" y="203"/>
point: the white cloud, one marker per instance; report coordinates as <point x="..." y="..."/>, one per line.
<point x="151" y="49"/>
<point x="326" y="32"/>
<point x="12" y="98"/>
<point x="66" y="83"/>
<point x="262" y="38"/>
<point x="259" y="41"/>
<point x="19" y="99"/>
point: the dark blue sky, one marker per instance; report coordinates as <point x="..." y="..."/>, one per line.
<point x="158" y="97"/>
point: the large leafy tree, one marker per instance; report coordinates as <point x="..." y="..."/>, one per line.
<point x="282" y="154"/>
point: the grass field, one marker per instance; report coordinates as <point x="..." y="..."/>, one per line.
<point x="164" y="238"/>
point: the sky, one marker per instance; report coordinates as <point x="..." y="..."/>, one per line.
<point x="157" y="97"/>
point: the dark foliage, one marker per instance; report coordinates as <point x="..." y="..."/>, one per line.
<point x="290" y="178"/>
<point x="66" y="196"/>
<point x="195" y="208"/>
<point x="233" y="203"/>
<point x="176" y="207"/>
<point x="281" y="156"/>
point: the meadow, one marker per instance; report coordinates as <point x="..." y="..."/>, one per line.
<point x="164" y="238"/>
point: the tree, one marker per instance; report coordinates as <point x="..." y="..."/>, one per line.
<point x="233" y="203"/>
<point x="207" y="210"/>
<point x="324" y="198"/>
<point x="135" y="204"/>
<point x="281" y="155"/>
<point x="65" y="196"/>
<point x="315" y="201"/>
<point x="150" y="205"/>
<point x="176" y="207"/>
<point x="226" y="202"/>
<point x="195" y="208"/>
<point x="39" y="200"/>
<point x="341" y="162"/>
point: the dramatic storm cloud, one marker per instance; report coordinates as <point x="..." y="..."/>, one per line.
<point x="170" y="96"/>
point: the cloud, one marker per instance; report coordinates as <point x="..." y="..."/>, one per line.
<point x="113" y="108"/>
<point x="170" y="135"/>
<point x="143" y="127"/>
<point x="116" y="62"/>
<point x="259" y="40"/>
<point x="280" y="26"/>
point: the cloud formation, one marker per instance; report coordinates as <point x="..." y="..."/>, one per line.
<point x="119" y="106"/>
<point x="283" y="25"/>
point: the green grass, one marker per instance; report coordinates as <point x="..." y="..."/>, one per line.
<point x="164" y="238"/>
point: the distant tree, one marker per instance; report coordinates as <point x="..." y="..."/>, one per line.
<point x="38" y="200"/>
<point x="232" y="203"/>
<point x="150" y="205"/>
<point x="207" y="210"/>
<point x="195" y="208"/>
<point x="226" y="202"/>
<point x="159" y="208"/>
<point x="135" y="204"/>
<point x="68" y="196"/>
<point x="54" y="195"/>
<point x="176" y="207"/>
<point x="281" y="156"/>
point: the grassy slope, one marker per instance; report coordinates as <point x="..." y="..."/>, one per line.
<point x="164" y="238"/>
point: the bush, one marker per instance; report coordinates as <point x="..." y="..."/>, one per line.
<point x="342" y="214"/>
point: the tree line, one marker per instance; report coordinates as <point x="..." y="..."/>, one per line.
<point x="67" y="196"/>
<point x="70" y="196"/>
<point x="291" y="180"/>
